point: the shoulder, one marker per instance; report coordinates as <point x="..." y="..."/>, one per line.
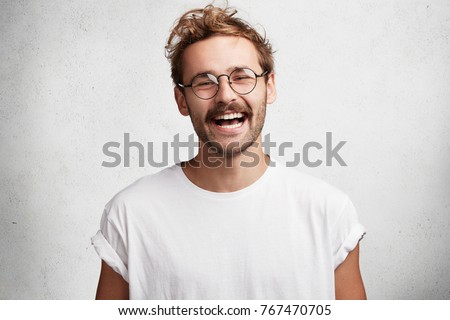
<point x="308" y="188"/>
<point x="144" y="191"/>
<point x="301" y="181"/>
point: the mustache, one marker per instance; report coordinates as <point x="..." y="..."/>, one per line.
<point x="234" y="107"/>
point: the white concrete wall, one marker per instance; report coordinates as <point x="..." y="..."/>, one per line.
<point x="77" y="75"/>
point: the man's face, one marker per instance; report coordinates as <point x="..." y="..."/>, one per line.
<point x="221" y="55"/>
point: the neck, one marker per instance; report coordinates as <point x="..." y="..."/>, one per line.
<point x="219" y="173"/>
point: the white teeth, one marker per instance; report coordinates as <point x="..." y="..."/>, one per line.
<point x="229" y="116"/>
<point x="232" y="126"/>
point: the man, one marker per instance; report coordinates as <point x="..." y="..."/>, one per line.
<point x="225" y="224"/>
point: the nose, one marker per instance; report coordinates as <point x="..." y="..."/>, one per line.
<point x="225" y="94"/>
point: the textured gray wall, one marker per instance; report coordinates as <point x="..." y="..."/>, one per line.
<point x="75" y="75"/>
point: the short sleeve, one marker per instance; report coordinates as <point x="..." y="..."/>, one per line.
<point x="346" y="233"/>
<point x="110" y="245"/>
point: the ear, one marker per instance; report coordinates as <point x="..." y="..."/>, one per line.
<point x="181" y="101"/>
<point x="271" y="88"/>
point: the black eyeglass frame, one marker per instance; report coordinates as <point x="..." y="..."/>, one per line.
<point x="264" y="73"/>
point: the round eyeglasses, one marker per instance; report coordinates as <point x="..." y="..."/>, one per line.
<point x="205" y="85"/>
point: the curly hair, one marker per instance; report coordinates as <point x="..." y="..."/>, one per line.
<point x="200" y="24"/>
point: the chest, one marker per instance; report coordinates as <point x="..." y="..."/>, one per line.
<point x="248" y="246"/>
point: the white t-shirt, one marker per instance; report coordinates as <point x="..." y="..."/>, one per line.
<point x="280" y="238"/>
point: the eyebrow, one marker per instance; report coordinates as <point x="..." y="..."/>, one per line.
<point x="229" y="70"/>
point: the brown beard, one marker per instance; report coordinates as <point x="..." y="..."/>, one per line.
<point x="236" y="147"/>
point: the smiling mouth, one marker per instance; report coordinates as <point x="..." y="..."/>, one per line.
<point x="230" y="120"/>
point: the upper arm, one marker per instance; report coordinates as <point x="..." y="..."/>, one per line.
<point x="348" y="281"/>
<point x="111" y="285"/>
